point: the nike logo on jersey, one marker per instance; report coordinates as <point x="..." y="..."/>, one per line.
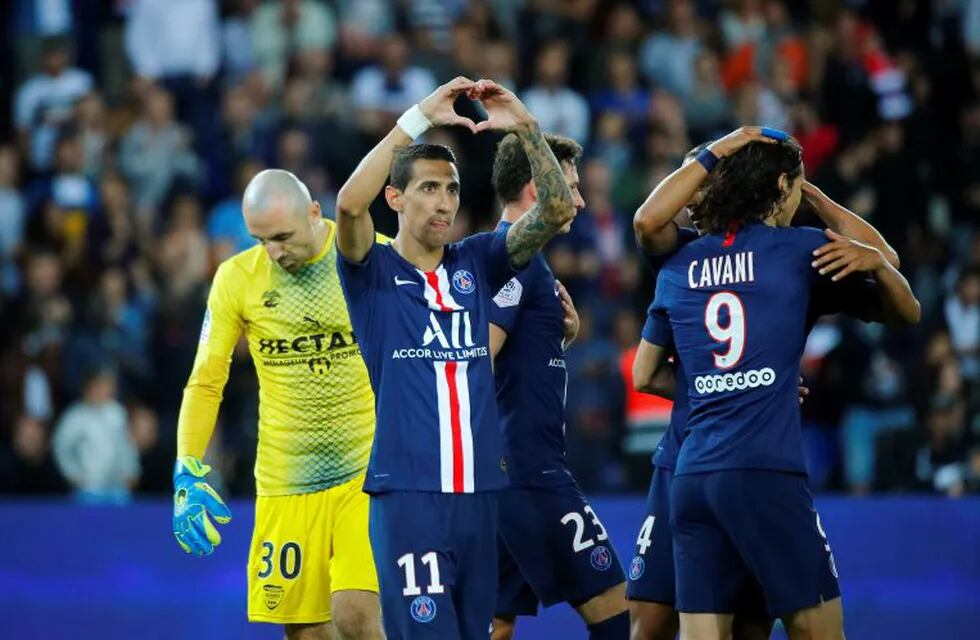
<point x="399" y="282"/>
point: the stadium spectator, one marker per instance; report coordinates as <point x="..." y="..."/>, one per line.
<point x="708" y="110"/>
<point x="178" y="46"/>
<point x="102" y="194"/>
<point x="44" y="103"/>
<point x="167" y="40"/>
<point x="962" y="314"/>
<point x="92" y="445"/>
<point x="27" y="467"/>
<point x="559" y="108"/>
<point x="384" y="91"/>
<point x="226" y="228"/>
<point x="667" y="56"/>
<point x="281" y="29"/>
<point x="157" y="152"/>
<point x="91" y="120"/>
<point x="237" y="54"/>
<point x="13" y="216"/>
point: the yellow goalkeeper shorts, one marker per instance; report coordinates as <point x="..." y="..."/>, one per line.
<point x="305" y="547"/>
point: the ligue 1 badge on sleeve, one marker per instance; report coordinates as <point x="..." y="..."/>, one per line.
<point x="206" y="326"/>
<point x="464" y="282"/>
<point x="423" y="609"/>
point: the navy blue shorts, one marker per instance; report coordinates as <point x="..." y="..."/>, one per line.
<point x="651" y="571"/>
<point x="555" y="550"/>
<point x="731" y="527"/>
<point x="436" y="556"/>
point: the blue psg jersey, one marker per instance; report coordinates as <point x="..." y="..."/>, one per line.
<point x="531" y="377"/>
<point x="739" y="310"/>
<point x="424" y="337"/>
<point x="656" y="330"/>
<point x="853" y="295"/>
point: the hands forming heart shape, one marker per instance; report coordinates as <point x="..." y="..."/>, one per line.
<point x="504" y="110"/>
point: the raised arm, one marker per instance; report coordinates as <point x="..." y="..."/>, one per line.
<point x="653" y="222"/>
<point x="847" y="223"/>
<point x="355" y="228"/>
<point x="554" y="207"/>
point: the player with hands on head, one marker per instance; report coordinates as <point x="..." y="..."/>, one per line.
<point x="739" y="507"/>
<point x="663" y="225"/>
<point x="420" y="310"/>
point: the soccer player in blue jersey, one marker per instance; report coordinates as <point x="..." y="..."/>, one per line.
<point x="736" y="303"/>
<point x="553" y="545"/>
<point x="420" y="312"/>
<point x="662" y="225"/>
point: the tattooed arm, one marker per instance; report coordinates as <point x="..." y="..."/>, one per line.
<point x="554" y="208"/>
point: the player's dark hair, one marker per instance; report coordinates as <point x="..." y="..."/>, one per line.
<point x="404" y="157"/>
<point x="512" y="170"/>
<point x="745" y="186"/>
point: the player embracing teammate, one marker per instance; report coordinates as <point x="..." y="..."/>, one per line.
<point x="735" y="306"/>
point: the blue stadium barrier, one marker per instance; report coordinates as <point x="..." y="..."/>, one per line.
<point x="910" y="568"/>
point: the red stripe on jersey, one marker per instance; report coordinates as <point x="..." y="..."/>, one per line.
<point x="730" y="235"/>
<point x="433" y="279"/>
<point x="456" y="428"/>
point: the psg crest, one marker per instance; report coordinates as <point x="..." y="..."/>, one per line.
<point x="463" y="281"/>
<point x="637" y="567"/>
<point x="601" y="558"/>
<point x="423" y="609"/>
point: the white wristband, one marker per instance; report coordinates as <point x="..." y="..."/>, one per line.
<point x="413" y="122"/>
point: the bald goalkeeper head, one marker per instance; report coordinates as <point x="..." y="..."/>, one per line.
<point x="281" y="215"/>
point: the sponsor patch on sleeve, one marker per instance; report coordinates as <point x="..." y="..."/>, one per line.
<point x="206" y="326"/>
<point x="510" y="295"/>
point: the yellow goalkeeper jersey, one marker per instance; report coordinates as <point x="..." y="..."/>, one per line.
<point x="316" y="407"/>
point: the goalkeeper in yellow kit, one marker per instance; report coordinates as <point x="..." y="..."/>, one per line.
<point x="310" y="565"/>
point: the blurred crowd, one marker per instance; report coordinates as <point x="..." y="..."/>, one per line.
<point x="128" y="129"/>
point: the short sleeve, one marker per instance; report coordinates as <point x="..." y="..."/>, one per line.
<point x="359" y="279"/>
<point x="655" y="261"/>
<point x="491" y="249"/>
<point x="656" y="329"/>
<point x="805" y="241"/>
<point x="506" y="305"/>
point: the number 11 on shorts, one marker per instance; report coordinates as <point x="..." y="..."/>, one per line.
<point x="431" y="560"/>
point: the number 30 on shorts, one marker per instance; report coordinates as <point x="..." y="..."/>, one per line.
<point x="290" y="560"/>
<point x="579" y="541"/>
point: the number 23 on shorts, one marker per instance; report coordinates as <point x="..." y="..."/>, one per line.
<point x="579" y="541"/>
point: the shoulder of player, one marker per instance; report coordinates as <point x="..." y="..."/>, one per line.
<point x="245" y="263"/>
